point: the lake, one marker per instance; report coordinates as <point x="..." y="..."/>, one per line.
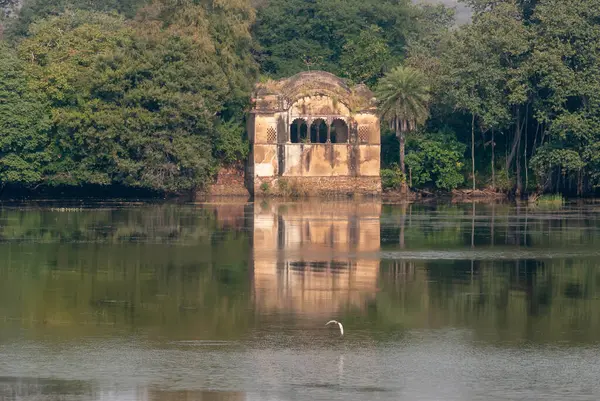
<point x="229" y="300"/>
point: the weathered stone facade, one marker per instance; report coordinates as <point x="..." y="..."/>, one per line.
<point x="313" y="132"/>
<point x="229" y="182"/>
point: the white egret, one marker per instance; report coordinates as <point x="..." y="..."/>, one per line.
<point x="338" y="323"/>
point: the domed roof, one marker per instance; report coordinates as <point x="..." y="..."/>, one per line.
<point x="312" y="83"/>
<point x="315" y="79"/>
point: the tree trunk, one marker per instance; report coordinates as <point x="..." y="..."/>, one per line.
<point x="473" y="149"/>
<point x="402" y="145"/>
<point x="516" y="151"/>
<point x="401" y="139"/>
<point x="516" y="141"/>
<point x="506" y="165"/>
<point x="400" y="132"/>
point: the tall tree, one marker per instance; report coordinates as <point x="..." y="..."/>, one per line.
<point x="294" y="35"/>
<point x="403" y="96"/>
<point x="32" y="11"/>
<point x="566" y="67"/>
<point x="483" y="73"/>
<point x="141" y="104"/>
<point x="24" y="124"/>
<point x="363" y="59"/>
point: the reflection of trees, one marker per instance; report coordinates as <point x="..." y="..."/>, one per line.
<point x="118" y="225"/>
<point x="418" y="226"/>
<point x="539" y="301"/>
<point x="183" y="271"/>
<point x="165" y="269"/>
<point x="413" y="226"/>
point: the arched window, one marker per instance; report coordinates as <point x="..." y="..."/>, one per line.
<point x="298" y="131"/>
<point x="339" y="131"/>
<point x="318" y="131"/>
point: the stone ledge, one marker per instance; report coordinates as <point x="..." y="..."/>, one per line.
<point x="334" y="186"/>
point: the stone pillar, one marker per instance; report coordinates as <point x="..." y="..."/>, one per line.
<point x="308" y="127"/>
<point x="352" y="131"/>
<point x="329" y="130"/>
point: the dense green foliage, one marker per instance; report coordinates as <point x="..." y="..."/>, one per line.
<point x="519" y="85"/>
<point x="23" y="124"/>
<point x="35" y="10"/>
<point x="332" y="35"/>
<point x="153" y="93"/>
<point x="154" y="103"/>
<point x="434" y="161"/>
<point x="392" y="178"/>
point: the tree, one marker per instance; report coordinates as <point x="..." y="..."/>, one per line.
<point x="24" y="124"/>
<point x="363" y="59"/>
<point x="7" y="9"/>
<point x="403" y="96"/>
<point x="435" y="160"/>
<point x="429" y="42"/>
<point x="140" y="104"/>
<point x="481" y="72"/>
<point x="36" y="10"/>
<point x="566" y="66"/>
<point x="327" y="32"/>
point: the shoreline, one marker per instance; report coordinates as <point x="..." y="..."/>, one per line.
<point x="115" y="194"/>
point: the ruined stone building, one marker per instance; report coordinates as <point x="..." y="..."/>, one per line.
<point x="315" y="134"/>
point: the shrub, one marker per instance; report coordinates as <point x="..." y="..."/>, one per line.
<point x="230" y="145"/>
<point x="503" y="181"/>
<point x="392" y="178"/>
<point x="435" y="160"/>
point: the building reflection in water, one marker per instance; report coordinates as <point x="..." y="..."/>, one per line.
<point x="315" y="258"/>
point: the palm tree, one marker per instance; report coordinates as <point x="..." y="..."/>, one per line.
<point x="403" y="96"/>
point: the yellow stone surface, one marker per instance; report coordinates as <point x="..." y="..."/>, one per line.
<point x="283" y="107"/>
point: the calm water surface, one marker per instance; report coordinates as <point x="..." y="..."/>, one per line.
<point x="228" y="301"/>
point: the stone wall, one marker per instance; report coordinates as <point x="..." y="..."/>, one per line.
<point x="229" y="182"/>
<point x="336" y="186"/>
<point x="316" y="167"/>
